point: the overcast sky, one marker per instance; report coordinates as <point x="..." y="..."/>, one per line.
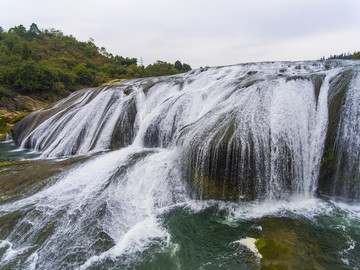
<point x="200" y="32"/>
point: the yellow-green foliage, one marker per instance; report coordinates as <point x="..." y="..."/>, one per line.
<point x="6" y="123"/>
<point x="356" y="55"/>
<point x="18" y="117"/>
<point x="4" y="126"/>
<point x="5" y="164"/>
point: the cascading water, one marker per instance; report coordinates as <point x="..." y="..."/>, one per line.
<point x="250" y="131"/>
<point x="246" y="132"/>
<point x="348" y="143"/>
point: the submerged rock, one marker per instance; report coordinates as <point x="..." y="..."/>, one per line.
<point x="286" y="243"/>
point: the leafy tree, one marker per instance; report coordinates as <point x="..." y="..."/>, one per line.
<point x="173" y="71"/>
<point x="85" y="75"/>
<point x="31" y="76"/>
<point x="19" y="30"/>
<point x="344" y="56"/>
<point x="356" y="55"/>
<point x="125" y="61"/>
<point x="186" y="67"/>
<point x="25" y="52"/>
<point x="34" y="30"/>
<point x="133" y="71"/>
<point x="11" y="42"/>
<point x="182" y="67"/>
<point x="1" y="33"/>
<point x="178" y="65"/>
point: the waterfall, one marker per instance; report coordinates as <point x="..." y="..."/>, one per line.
<point x="253" y="131"/>
<point x="67" y="212"/>
<point x="347" y="144"/>
<point x="153" y="150"/>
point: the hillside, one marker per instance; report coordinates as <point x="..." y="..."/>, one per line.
<point x="38" y="67"/>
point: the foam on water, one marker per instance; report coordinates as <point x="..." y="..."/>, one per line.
<point x="255" y="122"/>
<point x="135" y="241"/>
<point x="250" y="244"/>
<point x="123" y="188"/>
<point x="11" y="253"/>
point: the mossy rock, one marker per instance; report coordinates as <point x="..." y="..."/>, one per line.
<point x="24" y="177"/>
<point x="273" y="250"/>
<point x="286" y="243"/>
<point x="5" y="164"/>
<point x="6" y="123"/>
<point x="128" y="91"/>
<point x="113" y="81"/>
<point x="225" y="169"/>
<point x="147" y="87"/>
<point x="214" y="190"/>
<point x="5" y="126"/>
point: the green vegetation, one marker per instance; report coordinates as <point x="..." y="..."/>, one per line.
<point x="34" y="60"/>
<point x="355" y="55"/>
<point x="5" y="164"/>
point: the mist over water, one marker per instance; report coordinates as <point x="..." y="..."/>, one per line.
<point x="180" y="168"/>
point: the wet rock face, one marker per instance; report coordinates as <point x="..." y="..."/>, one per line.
<point x="23" y="178"/>
<point x="228" y="159"/>
<point x="339" y="174"/>
<point x="223" y="168"/>
<point x="258" y="145"/>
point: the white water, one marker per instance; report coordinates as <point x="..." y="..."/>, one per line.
<point x="348" y="142"/>
<point x="126" y="197"/>
<point x="261" y="122"/>
<point x="265" y="122"/>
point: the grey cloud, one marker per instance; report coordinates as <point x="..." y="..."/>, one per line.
<point x="200" y="32"/>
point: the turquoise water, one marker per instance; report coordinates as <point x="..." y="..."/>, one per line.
<point x="196" y="235"/>
<point x="324" y="238"/>
<point x="141" y="216"/>
<point x="9" y="151"/>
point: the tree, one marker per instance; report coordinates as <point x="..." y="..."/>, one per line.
<point x="90" y="49"/>
<point x="25" y="52"/>
<point x="125" y="61"/>
<point x="186" y="67"/>
<point x="19" y="30"/>
<point x="1" y="33"/>
<point x="173" y="71"/>
<point x="85" y="75"/>
<point x="32" y="76"/>
<point x="356" y="55"/>
<point x="12" y="42"/>
<point x="34" y="30"/>
<point x="133" y="71"/>
<point x="178" y="65"/>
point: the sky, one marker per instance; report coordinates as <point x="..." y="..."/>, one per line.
<point x="200" y="32"/>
